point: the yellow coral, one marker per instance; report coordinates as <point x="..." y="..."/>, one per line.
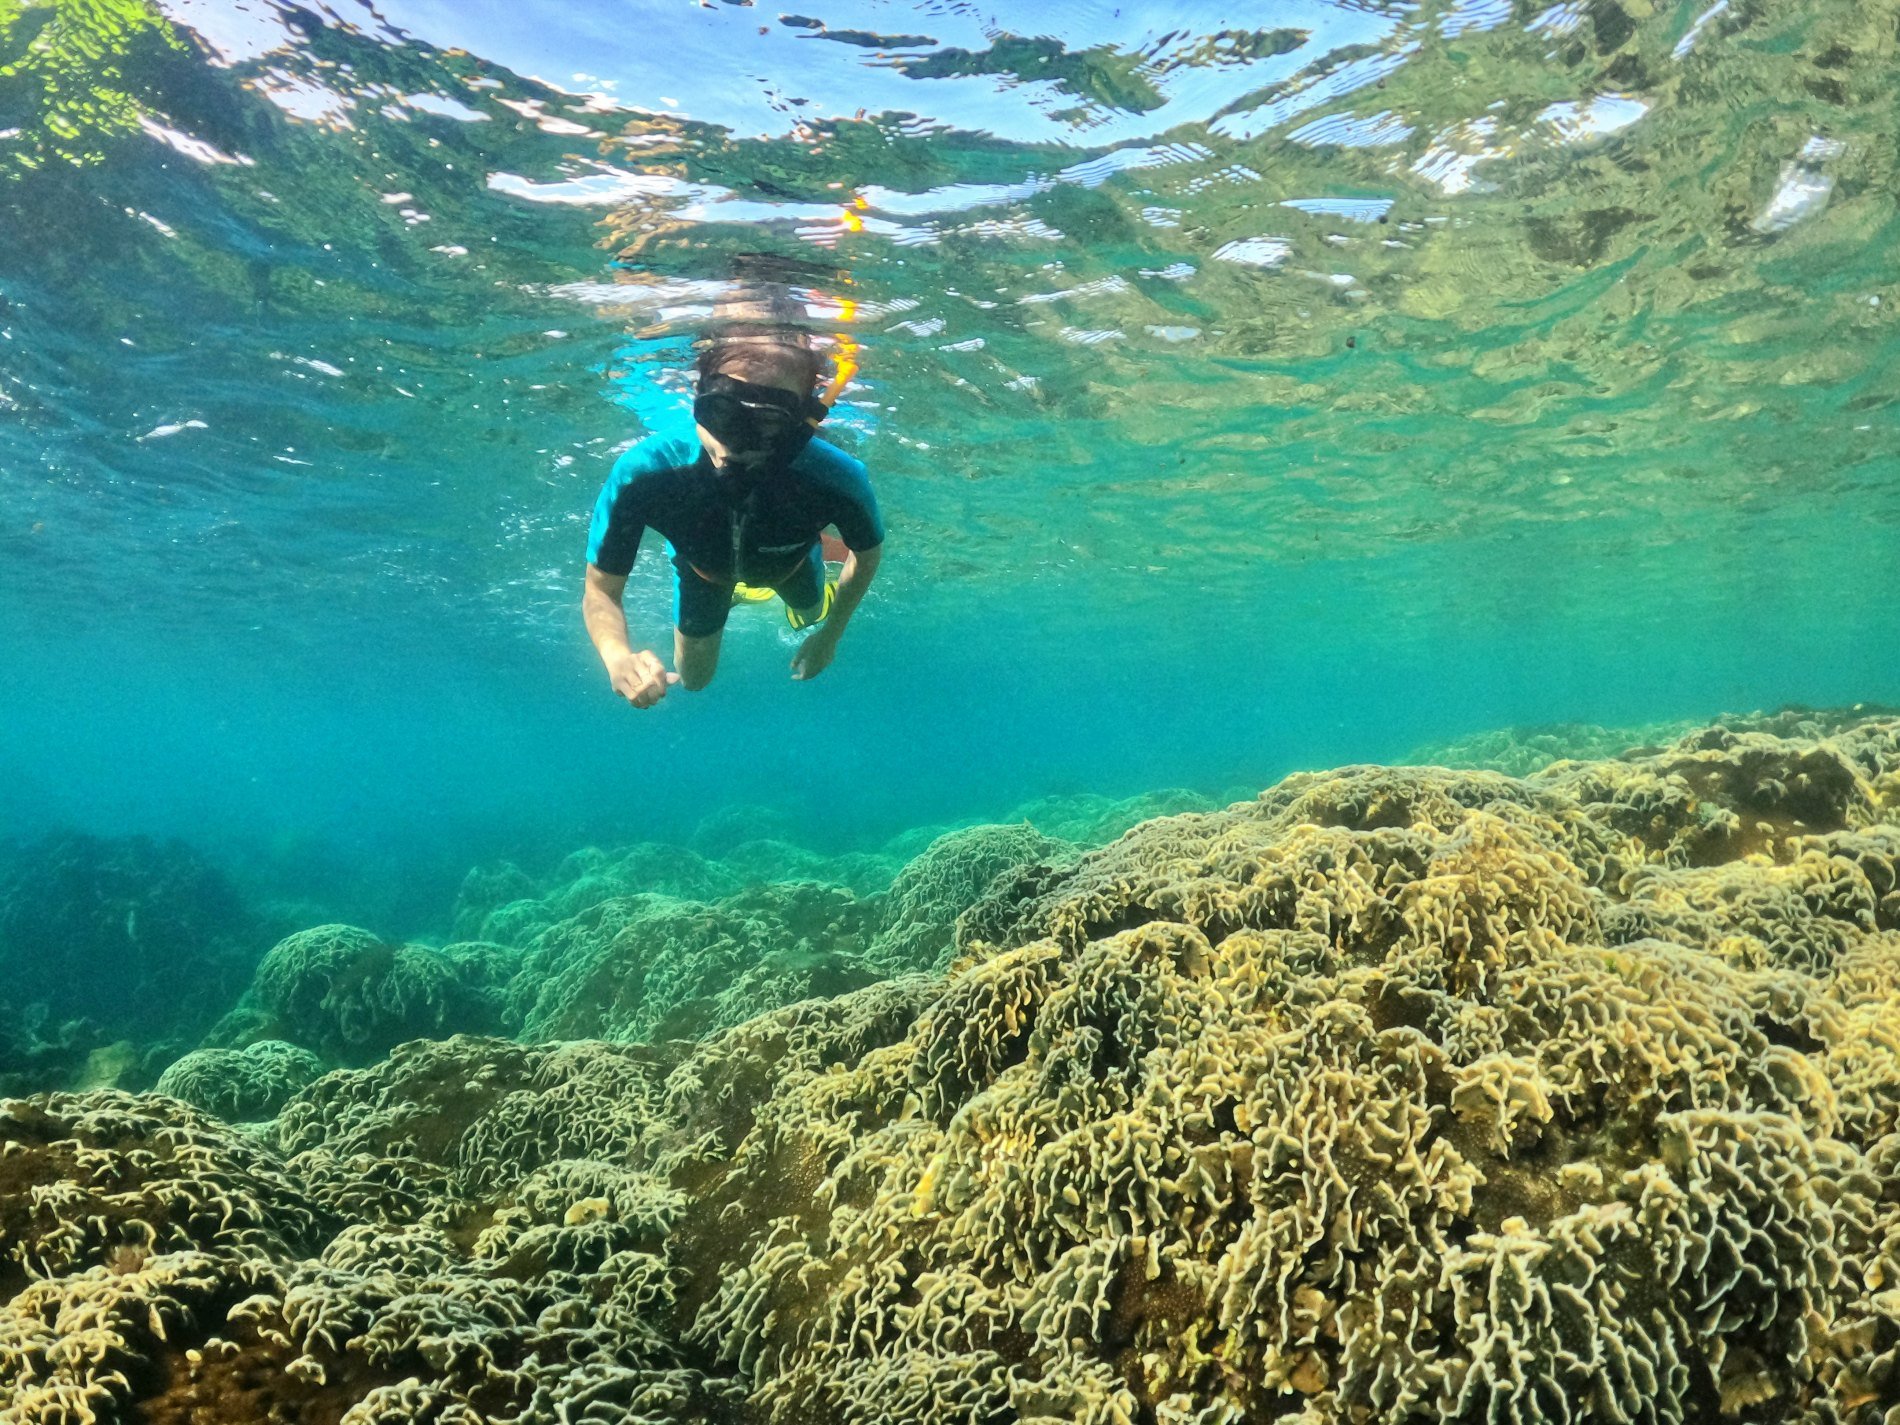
<point x="1396" y="1094"/>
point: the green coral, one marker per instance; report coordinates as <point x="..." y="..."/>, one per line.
<point x="951" y="875"/>
<point x="763" y="862"/>
<point x="501" y="903"/>
<point x="1091" y="819"/>
<point x="485" y="890"/>
<point x="651" y="966"/>
<point x="721" y="832"/>
<point x="241" y="1084"/>
<point x="351" y="996"/>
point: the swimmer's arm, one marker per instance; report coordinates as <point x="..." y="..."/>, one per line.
<point x="637" y="675"/>
<point x="815" y="653"/>
<point x="605" y="616"/>
<point x="860" y="568"/>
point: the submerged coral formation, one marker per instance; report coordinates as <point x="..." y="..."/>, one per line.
<point x="643" y="967"/>
<point x="1523" y="751"/>
<point x="105" y="939"/>
<point x="648" y="941"/>
<point x="953" y="874"/>
<point x="241" y="1084"/>
<point x="659" y="941"/>
<point x="738" y="848"/>
<point x="349" y="996"/>
<point x="1393" y="1094"/>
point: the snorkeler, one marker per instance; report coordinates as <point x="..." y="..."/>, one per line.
<point x="742" y="509"/>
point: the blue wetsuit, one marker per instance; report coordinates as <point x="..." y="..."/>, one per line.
<point x="721" y="532"/>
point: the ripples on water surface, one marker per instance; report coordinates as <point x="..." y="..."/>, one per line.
<point x="1246" y="385"/>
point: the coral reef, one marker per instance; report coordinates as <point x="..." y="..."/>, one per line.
<point x="500" y="903"/>
<point x="350" y="997"/>
<point x="649" y="966"/>
<point x="953" y="873"/>
<point x="1394" y="1094"/>
<point x="241" y="1084"/>
<point x="1088" y="819"/>
<point x="1522" y="751"/>
<point x="740" y="847"/>
<point x="106" y="939"/>
<point x="671" y="959"/>
<point x="723" y="831"/>
<point x="1342" y="1105"/>
<point x="130" y="1230"/>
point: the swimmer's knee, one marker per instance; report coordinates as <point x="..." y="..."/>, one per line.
<point x="695" y="658"/>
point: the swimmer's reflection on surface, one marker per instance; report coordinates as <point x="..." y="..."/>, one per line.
<point x="742" y="502"/>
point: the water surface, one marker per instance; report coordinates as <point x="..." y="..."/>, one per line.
<point x="1246" y="390"/>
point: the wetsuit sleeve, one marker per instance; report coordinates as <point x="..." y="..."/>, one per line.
<point x="619" y="521"/>
<point x="851" y="504"/>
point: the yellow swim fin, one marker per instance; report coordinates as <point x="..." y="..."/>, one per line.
<point x="824" y="608"/>
<point x="746" y="594"/>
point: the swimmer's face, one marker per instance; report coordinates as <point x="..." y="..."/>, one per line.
<point x="744" y="428"/>
<point x="727" y="461"/>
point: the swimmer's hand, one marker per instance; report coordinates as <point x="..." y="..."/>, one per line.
<point x="641" y="678"/>
<point x="814" y="655"/>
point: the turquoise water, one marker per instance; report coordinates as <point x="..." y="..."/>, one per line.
<point x="1348" y="869"/>
<point x="1244" y="394"/>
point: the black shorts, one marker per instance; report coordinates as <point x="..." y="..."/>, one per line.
<point x="700" y="605"/>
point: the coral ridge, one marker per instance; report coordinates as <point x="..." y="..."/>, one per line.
<point x="1393" y="1094"/>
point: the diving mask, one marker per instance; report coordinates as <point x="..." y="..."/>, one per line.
<point x="760" y="426"/>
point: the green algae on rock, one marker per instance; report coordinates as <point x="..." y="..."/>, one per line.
<point x="1394" y="1094"/>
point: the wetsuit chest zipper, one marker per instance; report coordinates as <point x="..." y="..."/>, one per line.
<point x="736" y="517"/>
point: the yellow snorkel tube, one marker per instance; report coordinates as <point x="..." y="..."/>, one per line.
<point x="843" y="369"/>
